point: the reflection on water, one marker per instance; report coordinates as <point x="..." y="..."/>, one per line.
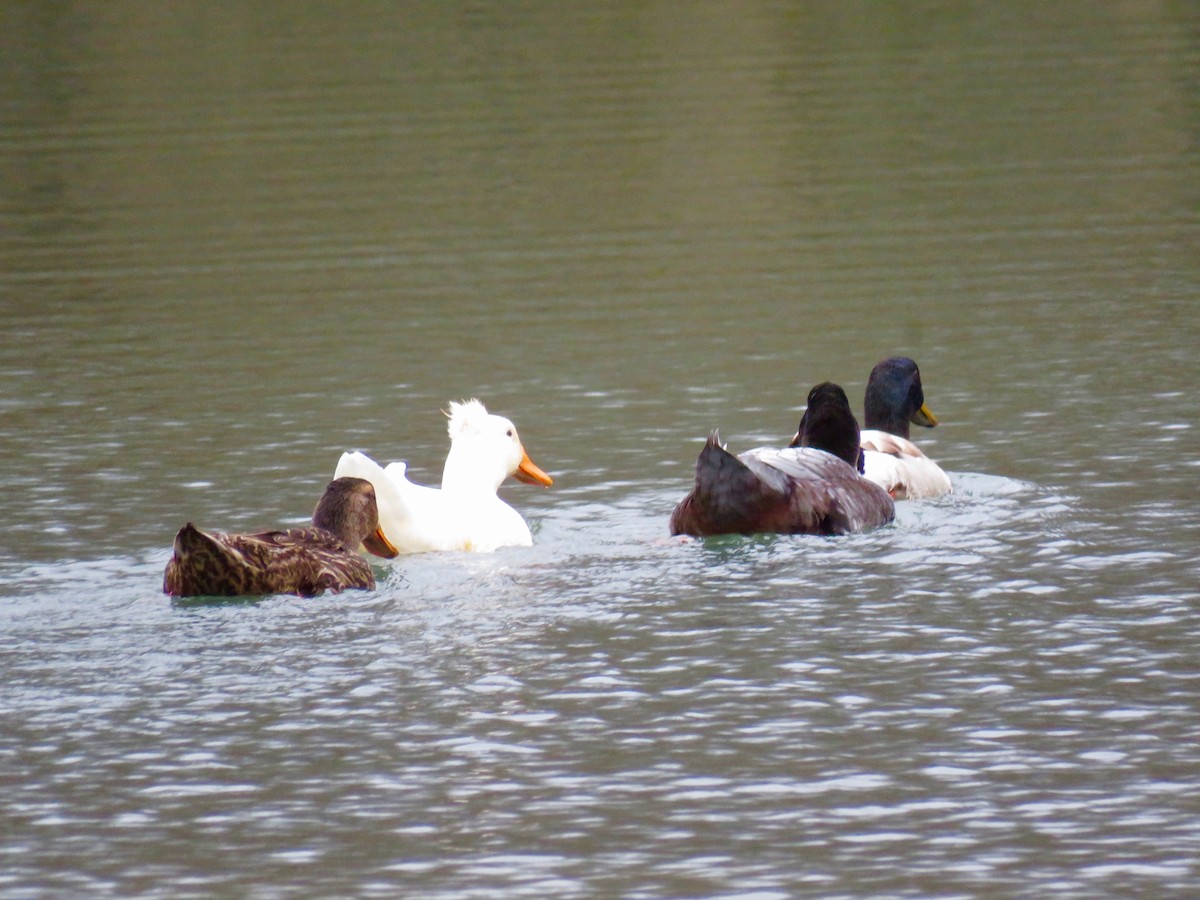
<point x="235" y="245"/>
<point x="954" y="696"/>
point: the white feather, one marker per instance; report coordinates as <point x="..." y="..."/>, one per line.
<point x="899" y="467"/>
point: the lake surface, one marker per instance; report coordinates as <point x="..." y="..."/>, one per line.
<point x="234" y="243"/>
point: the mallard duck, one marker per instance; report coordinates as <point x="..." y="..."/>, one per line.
<point x="302" y="561"/>
<point x="811" y="488"/>
<point x="465" y="513"/>
<point x="894" y="398"/>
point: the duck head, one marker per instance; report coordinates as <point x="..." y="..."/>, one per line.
<point x="484" y="450"/>
<point x="828" y="424"/>
<point x="349" y="511"/>
<point x="894" y="398"/>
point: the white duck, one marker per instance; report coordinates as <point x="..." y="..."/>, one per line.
<point x="894" y="398"/>
<point x="465" y="514"/>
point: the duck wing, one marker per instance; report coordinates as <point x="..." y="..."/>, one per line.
<point x="898" y="466"/>
<point x="303" y="561"/>
<point x="827" y="495"/>
<point x="307" y="561"/>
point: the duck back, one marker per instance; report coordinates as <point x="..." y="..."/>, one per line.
<point x="901" y="468"/>
<point x="302" y="561"/>
<point x="791" y="491"/>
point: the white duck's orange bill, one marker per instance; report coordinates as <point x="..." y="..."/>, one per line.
<point x="529" y="473"/>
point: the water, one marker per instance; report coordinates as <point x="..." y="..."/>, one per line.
<point x="233" y="246"/>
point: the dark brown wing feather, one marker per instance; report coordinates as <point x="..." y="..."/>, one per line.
<point x="303" y="561"/>
<point x="791" y="491"/>
<point x="729" y="497"/>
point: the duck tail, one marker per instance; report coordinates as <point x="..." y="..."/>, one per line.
<point x="728" y="498"/>
<point x="197" y="555"/>
<point x="188" y="540"/>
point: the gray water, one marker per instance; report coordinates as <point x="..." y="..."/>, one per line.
<point x="235" y="242"/>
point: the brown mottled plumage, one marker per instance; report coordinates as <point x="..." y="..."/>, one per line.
<point x="796" y="490"/>
<point x="304" y="561"/>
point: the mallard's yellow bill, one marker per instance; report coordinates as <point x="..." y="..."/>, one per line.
<point x="924" y="416"/>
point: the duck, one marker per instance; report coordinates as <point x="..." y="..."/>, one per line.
<point x="814" y="487"/>
<point x="894" y="399"/>
<point x="464" y="514"/>
<point x="301" y="561"/>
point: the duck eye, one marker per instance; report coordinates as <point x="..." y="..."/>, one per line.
<point x="509" y="432"/>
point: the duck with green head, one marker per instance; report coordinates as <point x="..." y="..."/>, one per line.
<point x="894" y="400"/>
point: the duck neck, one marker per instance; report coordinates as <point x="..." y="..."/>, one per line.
<point x="336" y="519"/>
<point x="881" y="415"/>
<point x="470" y="472"/>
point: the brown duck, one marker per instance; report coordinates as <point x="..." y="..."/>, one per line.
<point x="813" y="487"/>
<point x="304" y="561"/>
